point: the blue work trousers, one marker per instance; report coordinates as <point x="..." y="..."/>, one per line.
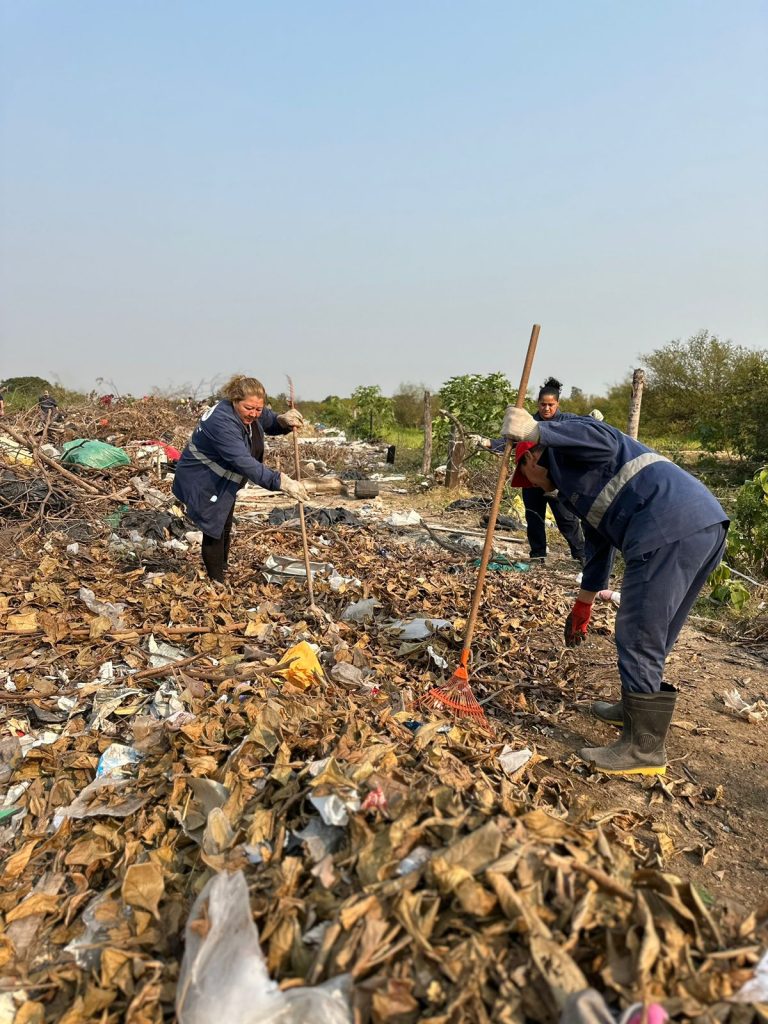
<point x="657" y="593"/>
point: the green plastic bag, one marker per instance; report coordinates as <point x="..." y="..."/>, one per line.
<point x="95" y="454"/>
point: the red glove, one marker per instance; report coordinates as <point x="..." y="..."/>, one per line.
<point x="576" y="623"/>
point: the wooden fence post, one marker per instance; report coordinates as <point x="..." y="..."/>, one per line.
<point x="455" y="458"/>
<point x="426" y="460"/>
<point x="633" y="423"/>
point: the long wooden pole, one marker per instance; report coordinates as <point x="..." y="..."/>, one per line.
<point x="302" y="520"/>
<point x="487" y="547"/>
<point x="426" y="460"/>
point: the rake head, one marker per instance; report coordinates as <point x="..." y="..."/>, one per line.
<point x="457" y="696"/>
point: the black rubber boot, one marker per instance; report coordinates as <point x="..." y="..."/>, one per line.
<point x="640" y="749"/>
<point x="614" y="713"/>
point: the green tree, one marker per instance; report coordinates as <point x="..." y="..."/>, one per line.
<point x="335" y="412"/>
<point x="371" y="411"/>
<point x="710" y="390"/>
<point x="408" y="405"/>
<point x="477" y="401"/>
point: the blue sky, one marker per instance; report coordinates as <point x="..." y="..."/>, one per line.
<point x="360" y="193"/>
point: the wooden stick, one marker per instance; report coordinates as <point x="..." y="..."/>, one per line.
<point x="493" y="515"/>
<point x="638" y="383"/>
<point x="164" y="670"/>
<point x="52" y="463"/>
<point x="123" y="634"/>
<point x="467" y="533"/>
<point x="302" y="520"/>
<point x="426" y="459"/>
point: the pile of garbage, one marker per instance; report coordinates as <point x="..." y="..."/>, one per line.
<point x="216" y="804"/>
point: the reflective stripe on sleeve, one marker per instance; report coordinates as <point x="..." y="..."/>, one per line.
<point x="612" y="488"/>
<point x="225" y="474"/>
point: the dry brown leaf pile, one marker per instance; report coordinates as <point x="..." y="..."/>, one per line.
<point x="448" y="890"/>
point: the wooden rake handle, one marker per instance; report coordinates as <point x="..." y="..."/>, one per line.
<point x="488" y="545"/>
<point x="302" y="520"/>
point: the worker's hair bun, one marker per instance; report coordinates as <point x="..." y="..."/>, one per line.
<point x="551" y="386"/>
<point x="239" y="387"/>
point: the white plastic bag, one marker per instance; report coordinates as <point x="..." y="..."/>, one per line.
<point x="113" y="612"/>
<point x="417" y="629"/>
<point x="361" y="611"/>
<point x="224" y="975"/>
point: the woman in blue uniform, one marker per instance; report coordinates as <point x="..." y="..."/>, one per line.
<point x="225" y="450"/>
<point x="671" y="532"/>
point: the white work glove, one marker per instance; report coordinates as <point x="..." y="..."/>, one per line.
<point x="519" y="425"/>
<point x="295" y="488"/>
<point x="291" y="418"/>
<point x="478" y="441"/>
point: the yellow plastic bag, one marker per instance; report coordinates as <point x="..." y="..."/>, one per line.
<point x="12" y="452"/>
<point x="304" y="669"/>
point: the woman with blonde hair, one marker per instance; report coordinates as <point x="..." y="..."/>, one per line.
<point x="225" y="450"/>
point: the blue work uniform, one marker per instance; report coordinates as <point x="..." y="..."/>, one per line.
<point x="669" y="528"/>
<point x="221" y="455"/>
<point x="535" y="502"/>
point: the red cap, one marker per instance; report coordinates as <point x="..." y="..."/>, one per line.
<point x="518" y="478"/>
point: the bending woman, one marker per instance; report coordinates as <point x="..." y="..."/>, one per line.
<point x="225" y="450"/>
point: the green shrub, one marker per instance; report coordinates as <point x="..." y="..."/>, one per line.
<point x="748" y="535"/>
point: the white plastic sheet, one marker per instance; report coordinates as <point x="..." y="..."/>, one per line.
<point x="224" y="975"/>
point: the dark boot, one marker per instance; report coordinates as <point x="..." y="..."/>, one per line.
<point x="640" y="749"/>
<point x="614" y="713"/>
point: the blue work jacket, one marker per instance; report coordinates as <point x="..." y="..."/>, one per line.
<point x="218" y="460"/>
<point x="626" y="495"/>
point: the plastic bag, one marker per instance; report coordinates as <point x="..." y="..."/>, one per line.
<point x="224" y="975"/>
<point x="113" y="612"/>
<point x="96" y="454"/>
<point x="411" y="518"/>
<point x="304" y="669"/>
<point x="361" y="611"/>
<point x="117" y="760"/>
<point x="417" y="629"/>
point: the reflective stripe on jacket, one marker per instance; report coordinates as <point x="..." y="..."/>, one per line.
<point x="218" y="460"/>
<point x="627" y="495"/>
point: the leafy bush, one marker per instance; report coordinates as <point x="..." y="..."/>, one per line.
<point x="748" y="535"/>
<point x="726" y="590"/>
<point x="477" y="401"/>
<point x="711" y="390"/>
<point x="372" y="412"/>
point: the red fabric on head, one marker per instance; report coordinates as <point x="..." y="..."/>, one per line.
<point x="518" y="478"/>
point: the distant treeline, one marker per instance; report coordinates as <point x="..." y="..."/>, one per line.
<point x="705" y="391"/>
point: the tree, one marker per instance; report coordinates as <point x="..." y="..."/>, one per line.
<point x="371" y="411"/>
<point x="477" y="401"/>
<point x="710" y="390"/>
<point x="334" y="412"/>
<point x="408" y="405"/>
